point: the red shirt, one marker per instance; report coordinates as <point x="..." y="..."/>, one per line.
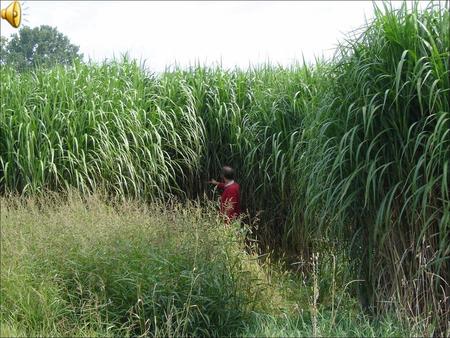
<point x="230" y="200"/>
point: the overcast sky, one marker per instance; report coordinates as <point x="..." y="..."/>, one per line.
<point x="234" y="33"/>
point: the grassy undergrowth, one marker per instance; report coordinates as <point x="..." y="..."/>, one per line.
<point x="76" y="266"/>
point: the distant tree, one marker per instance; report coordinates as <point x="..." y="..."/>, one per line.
<point x="43" y="46"/>
<point x="3" y="44"/>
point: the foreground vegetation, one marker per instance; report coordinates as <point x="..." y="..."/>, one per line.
<point x="75" y="266"/>
<point x="355" y="149"/>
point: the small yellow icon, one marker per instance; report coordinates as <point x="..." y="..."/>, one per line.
<point x="13" y="14"/>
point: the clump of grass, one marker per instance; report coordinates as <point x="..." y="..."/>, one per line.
<point x="349" y="325"/>
<point x="82" y="266"/>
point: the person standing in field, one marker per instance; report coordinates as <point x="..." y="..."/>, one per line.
<point x="230" y="198"/>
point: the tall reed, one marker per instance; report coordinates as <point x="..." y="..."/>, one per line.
<point x="355" y="149"/>
<point x="378" y="153"/>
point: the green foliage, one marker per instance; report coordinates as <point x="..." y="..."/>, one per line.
<point x="355" y="150"/>
<point x="3" y="50"/>
<point x="348" y="325"/>
<point x="40" y="46"/>
<point x="75" y="266"/>
<point x="379" y="173"/>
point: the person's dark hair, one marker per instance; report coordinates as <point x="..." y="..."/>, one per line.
<point x="228" y="172"/>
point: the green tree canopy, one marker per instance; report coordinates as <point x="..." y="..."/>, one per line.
<point x="42" y="45"/>
<point x="3" y="43"/>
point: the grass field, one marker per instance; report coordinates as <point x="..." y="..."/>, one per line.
<point x="76" y="266"/>
<point x="348" y="155"/>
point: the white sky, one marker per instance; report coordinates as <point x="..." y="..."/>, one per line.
<point x="233" y="33"/>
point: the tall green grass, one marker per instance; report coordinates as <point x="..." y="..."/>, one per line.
<point x="378" y="168"/>
<point x="355" y="149"/>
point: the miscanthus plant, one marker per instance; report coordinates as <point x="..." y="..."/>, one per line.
<point x="377" y="172"/>
<point x="116" y="128"/>
<point x="355" y="149"/>
<point x="93" y="127"/>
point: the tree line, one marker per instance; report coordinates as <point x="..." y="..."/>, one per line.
<point x="40" y="46"/>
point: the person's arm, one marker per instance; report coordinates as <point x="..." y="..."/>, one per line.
<point x="217" y="184"/>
